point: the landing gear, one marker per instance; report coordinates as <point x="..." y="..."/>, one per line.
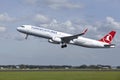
<point x="63" y="45"/>
<point x="26" y="36"/>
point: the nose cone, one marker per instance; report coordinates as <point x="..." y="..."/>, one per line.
<point x="18" y="28"/>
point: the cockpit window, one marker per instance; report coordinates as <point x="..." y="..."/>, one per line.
<point x="23" y="26"/>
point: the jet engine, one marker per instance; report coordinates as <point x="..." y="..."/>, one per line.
<point x="55" y="40"/>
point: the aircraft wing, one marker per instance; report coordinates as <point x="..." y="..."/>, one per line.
<point x="68" y="38"/>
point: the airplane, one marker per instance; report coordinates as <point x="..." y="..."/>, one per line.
<point x="57" y="37"/>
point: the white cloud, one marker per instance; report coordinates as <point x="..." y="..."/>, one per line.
<point x="66" y="26"/>
<point x="5" y="18"/>
<point x="68" y="23"/>
<point x="102" y="26"/>
<point x="99" y="28"/>
<point x="58" y="4"/>
<point x="113" y="23"/>
<point x="41" y="18"/>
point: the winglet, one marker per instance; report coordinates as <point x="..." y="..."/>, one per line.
<point x="85" y="31"/>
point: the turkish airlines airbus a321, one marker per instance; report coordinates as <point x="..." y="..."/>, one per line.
<point x="64" y="38"/>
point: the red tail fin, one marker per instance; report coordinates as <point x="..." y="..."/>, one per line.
<point x="109" y="37"/>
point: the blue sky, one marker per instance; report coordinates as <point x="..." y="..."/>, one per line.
<point x="71" y="16"/>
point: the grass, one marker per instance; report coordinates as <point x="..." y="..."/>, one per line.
<point x="61" y="75"/>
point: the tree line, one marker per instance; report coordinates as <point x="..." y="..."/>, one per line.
<point x="24" y="66"/>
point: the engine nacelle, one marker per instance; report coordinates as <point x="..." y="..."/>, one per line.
<point x="55" y="40"/>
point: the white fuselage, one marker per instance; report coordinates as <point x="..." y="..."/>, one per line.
<point x="50" y="34"/>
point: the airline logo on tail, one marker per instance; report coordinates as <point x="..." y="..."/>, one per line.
<point x="109" y="37"/>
